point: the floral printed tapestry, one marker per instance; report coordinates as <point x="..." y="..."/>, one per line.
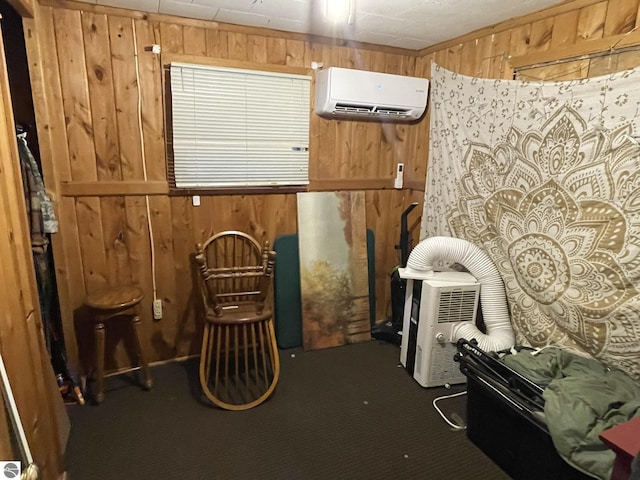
<point x="545" y="176"/>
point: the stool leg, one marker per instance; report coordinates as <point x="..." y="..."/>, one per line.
<point x="99" y="336"/>
<point x="135" y="324"/>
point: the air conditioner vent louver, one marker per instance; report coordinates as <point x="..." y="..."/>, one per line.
<point x="369" y="110"/>
<point x="456" y="306"/>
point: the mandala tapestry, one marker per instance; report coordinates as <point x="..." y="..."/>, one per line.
<point x="545" y="176"/>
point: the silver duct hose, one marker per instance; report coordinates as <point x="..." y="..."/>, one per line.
<point x="495" y="311"/>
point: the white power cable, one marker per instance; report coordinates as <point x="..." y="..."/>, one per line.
<point x="144" y="160"/>
<point x="453" y="425"/>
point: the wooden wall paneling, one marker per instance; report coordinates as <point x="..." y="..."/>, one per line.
<point x="217" y="43"/>
<point x="277" y="51"/>
<point x="452" y="57"/>
<point x="165" y="329"/>
<point x="360" y="154"/>
<point x="322" y="135"/>
<point x="565" y="28"/>
<point x="416" y="167"/>
<point x="560" y="71"/>
<point x="194" y="40"/>
<point x="123" y="59"/>
<point x="98" y="59"/>
<point x="309" y="55"/>
<point x="20" y="314"/>
<point x="627" y="60"/>
<point x="520" y="41"/>
<point x="511" y="24"/>
<point x="621" y="16"/>
<point x="187" y="300"/>
<point x="80" y="137"/>
<point x="391" y="134"/>
<point x="295" y="53"/>
<point x="373" y="133"/>
<point x="171" y="37"/>
<point x="408" y="65"/>
<point x="257" y="48"/>
<point x="322" y="159"/>
<point x="541" y="32"/>
<point x="237" y="46"/>
<point x="24" y="8"/>
<point x="95" y="31"/>
<point x="49" y="109"/>
<point x="499" y="67"/>
<point x="345" y="56"/>
<point x="410" y="131"/>
<point x="344" y="154"/>
<point x="361" y="59"/>
<point x="591" y="22"/>
<point x="386" y="154"/>
<point x="151" y="97"/>
<point x="137" y="235"/>
<point x="483" y="57"/>
<point x="280" y="215"/>
<point x="603" y="64"/>
<point x="210" y="217"/>
<point x="468" y="58"/>
<point x="441" y="58"/>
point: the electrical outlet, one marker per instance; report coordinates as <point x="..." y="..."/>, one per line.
<point x="157" y="309"/>
<point x="399" y="176"/>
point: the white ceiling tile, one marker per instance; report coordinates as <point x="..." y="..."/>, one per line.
<point x="142" y="5"/>
<point x="412" y="24"/>
<point x="242" y="18"/>
<point x="184" y="8"/>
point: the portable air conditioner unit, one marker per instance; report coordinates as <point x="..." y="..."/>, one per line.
<point x="434" y="307"/>
<point x="358" y="94"/>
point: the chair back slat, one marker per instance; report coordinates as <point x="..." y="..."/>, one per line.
<point x="235" y="269"/>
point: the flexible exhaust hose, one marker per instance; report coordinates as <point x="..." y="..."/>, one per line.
<point x="495" y="311"/>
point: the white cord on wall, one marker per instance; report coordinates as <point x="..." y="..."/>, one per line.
<point x="144" y="161"/>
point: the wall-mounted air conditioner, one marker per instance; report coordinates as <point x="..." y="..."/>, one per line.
<point x="434" y="308"/>
<point x="358" y="94"/>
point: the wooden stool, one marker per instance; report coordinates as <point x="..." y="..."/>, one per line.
<point x="108" y="304"/>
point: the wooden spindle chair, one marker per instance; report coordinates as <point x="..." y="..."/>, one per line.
<point x="239" y="362"/>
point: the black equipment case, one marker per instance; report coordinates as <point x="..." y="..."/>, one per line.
<point x="505" y="419"/>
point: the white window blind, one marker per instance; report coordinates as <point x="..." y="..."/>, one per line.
<point x="239" y="128"/>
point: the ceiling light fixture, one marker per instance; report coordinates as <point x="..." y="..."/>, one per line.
<point x="340" y="10"/>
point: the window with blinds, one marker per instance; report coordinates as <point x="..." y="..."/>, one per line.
<point x="238" y="128"/>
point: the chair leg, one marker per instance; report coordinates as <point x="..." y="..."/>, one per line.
<point x="205" y="356"/>
<point x="99" y="336"/>
<point x="135" y="324"/>
<point x="252" y="344"/>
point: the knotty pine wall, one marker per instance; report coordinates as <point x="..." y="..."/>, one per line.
<point x="21" y="337"/>
<point x="571" y="30"/>
<point x="82" y="61"/>
<point x="83" y="69"/>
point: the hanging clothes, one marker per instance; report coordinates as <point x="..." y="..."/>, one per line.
<point x="39" y="205"/>
<point x="42" y="222"/>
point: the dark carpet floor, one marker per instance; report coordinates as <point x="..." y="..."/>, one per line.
<point x="343" y="413"/>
